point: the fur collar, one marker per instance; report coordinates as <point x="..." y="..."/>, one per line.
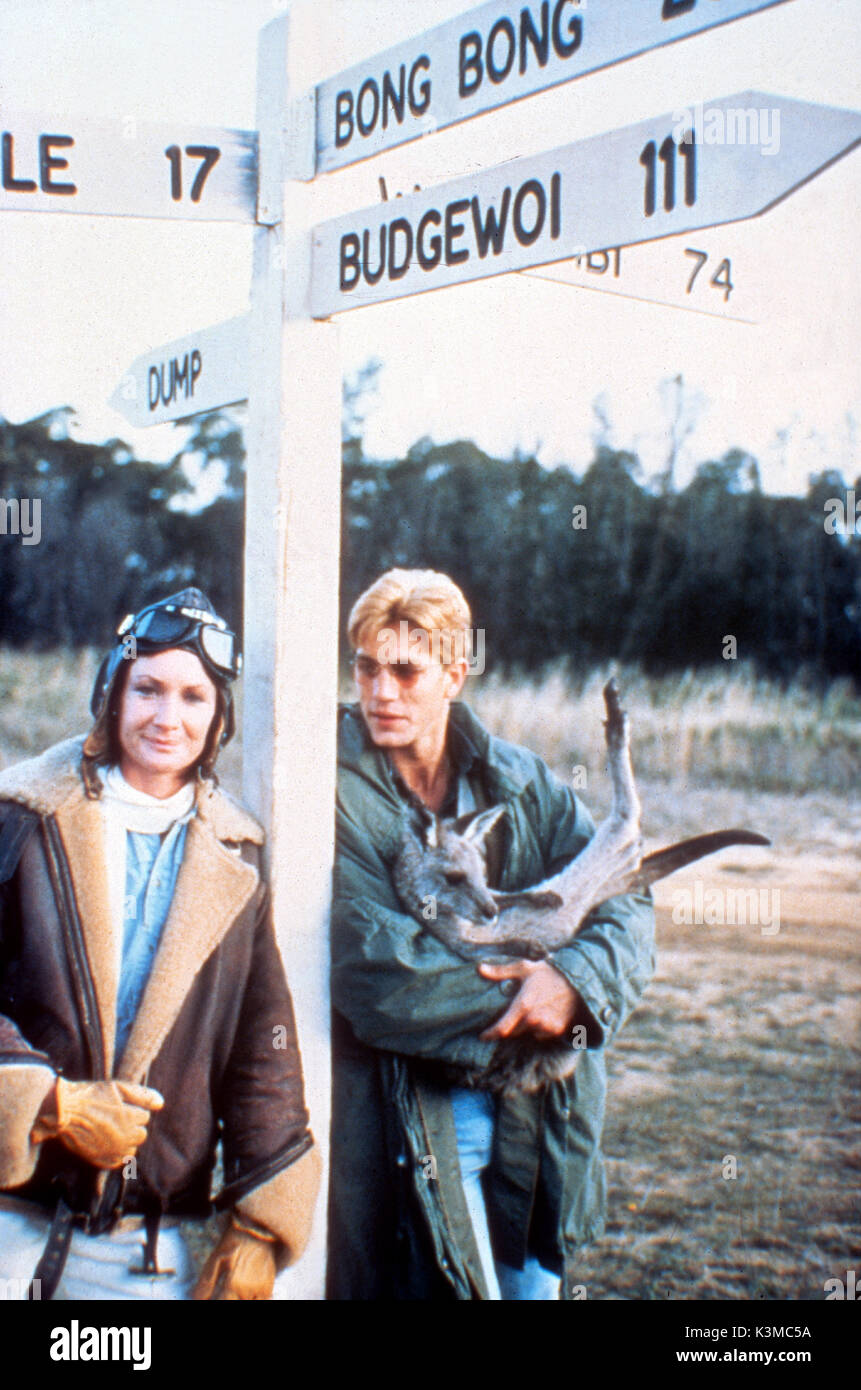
<point x="53" y="780"/>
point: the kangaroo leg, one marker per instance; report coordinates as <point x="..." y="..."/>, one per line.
<point x="601" y="869"/>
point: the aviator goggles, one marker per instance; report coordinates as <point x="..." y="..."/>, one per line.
<point x="169" y="625"/>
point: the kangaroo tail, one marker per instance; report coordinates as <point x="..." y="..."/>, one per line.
<point x="667" y="861"/>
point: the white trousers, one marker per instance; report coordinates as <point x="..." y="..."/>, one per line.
<point x="98" y="1267"/>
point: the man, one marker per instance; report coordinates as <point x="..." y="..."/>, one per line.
<point x="439" y="1192"/>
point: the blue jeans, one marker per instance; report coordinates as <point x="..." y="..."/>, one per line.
<point x="98" y="1267"/>
<point x="474" y="1115"/>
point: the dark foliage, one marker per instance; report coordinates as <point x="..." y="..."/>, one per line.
<point x="110" y="540"/>
<point x="654" y="576"/>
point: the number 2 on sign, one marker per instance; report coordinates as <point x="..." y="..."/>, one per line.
<point x="721" y="278"/>
<point x="208" y="154"/>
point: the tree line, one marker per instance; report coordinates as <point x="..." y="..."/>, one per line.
<point x="588" y="568"/>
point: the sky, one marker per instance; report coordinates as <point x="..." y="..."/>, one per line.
<point x="514" y="362"/>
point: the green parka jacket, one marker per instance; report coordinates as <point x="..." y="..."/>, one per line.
<point x="399" y="1227"/>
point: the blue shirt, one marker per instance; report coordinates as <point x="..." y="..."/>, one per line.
<point x="152" y="866"/>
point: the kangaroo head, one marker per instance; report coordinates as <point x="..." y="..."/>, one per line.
<point x="441" y="872"/>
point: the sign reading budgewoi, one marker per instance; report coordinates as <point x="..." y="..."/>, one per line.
<point x="127" y="168"/>
<point x="206" y="370"/>
<point x="493" y="55"/>
<point x="718" y="162"/>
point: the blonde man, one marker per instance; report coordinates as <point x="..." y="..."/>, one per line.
<point x="440" y="1192"/>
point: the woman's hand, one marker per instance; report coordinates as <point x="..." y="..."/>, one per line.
<point x="104" y="1122"/>
<point x="242" y="1266"/>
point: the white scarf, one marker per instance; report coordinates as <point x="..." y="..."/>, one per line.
<point x="125" y="808"/>
<point x="138" y="811"/>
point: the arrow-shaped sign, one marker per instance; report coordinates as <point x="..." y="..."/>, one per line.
<point x="493" y="55"/>
<point x="189" y="376"/>
<point x="127" y="168"/>
<point x="715" y="276"/>
<point x="718" y="162"/>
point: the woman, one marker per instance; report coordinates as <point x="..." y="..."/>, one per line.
<point x="144" y="1013"/>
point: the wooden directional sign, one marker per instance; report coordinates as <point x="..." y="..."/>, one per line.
<point x="712" y="272"/>
<point x="728" y="159"/>
<point x="127" y="168"/>
<point x="493" y="55"/>
<point x="206" y="370"/>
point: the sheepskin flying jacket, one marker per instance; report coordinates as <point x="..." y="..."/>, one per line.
<point x="214" y="1032"/>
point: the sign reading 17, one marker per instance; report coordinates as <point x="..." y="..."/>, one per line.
<point x="209" y="156"/>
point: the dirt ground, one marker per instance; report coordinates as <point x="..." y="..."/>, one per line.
<point x="745" y="1046"/>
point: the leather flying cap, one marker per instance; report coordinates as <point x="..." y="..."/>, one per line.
<point x="183" y="620"/>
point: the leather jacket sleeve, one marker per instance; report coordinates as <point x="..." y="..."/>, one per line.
<point x="26" y="1075"/>
<point x="275" y="1188"/>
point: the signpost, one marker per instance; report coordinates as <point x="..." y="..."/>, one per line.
<point x="201" y="372"/>
<point x="726" y="161"/>
<point x="710" y="274"/>
<point x="127" y="168"/>
<point x="493" y="55"/>
<point x="292" y="536"/>
<point x="729" y="159"/>
<point x="211" y="368"/>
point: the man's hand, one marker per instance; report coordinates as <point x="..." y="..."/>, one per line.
<point x="242" y="1266"/>
<point x="104" y="1122"/>
<point x="545" y="1004"/>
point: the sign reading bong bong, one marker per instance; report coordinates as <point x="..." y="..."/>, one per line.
<point x="722" y="161"/>
<point x="492" y="55"/>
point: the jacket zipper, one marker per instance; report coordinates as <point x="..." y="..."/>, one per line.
<point x="77" y="953"/>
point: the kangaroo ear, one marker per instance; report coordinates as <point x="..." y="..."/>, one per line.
<point x="477" y="825"/>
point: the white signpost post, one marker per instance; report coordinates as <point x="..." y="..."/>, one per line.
<point x="670" y="174"/>
<point x="492" y="55"/>
<point x="292" y="539"/>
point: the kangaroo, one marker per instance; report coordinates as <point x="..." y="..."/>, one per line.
<point x="439" y="875"/>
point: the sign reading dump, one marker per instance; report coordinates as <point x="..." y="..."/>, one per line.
<point x="493" y="55"/>
<point x="718" y="162"/>
<point x="127" y="168"/>
<point x="208" y="369"/>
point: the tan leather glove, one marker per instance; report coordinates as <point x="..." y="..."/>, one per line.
<point x="102" y="1121"/>
<point x="241" y="1266"/>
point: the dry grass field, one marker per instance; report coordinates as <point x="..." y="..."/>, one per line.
<point x="746" y="1044"/>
